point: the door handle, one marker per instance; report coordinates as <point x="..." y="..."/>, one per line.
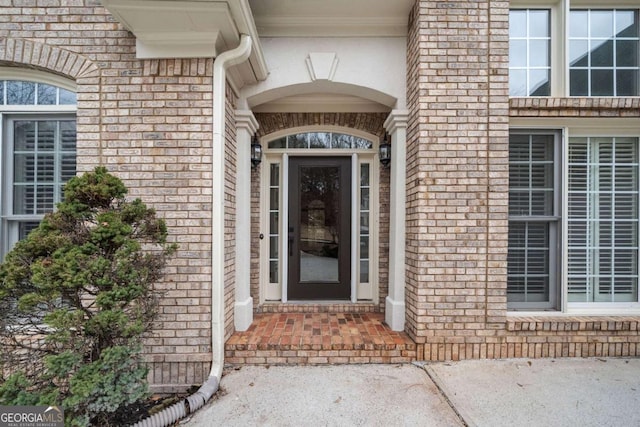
<point x="291" y="240"/>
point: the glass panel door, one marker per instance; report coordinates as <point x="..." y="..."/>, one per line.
<point x="319" y="228"/>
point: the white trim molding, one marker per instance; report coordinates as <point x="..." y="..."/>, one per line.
<point x="246" y="127"/>
<point x="396" y="126"/>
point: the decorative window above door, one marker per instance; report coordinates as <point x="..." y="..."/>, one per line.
<point x="319" y="140"/>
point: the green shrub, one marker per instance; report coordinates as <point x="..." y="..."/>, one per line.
<point x="76" y="298"/>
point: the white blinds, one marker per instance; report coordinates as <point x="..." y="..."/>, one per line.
<point x="603" y="219"/>
<point x="531" y="218"/>
<point x="44" y="159"/>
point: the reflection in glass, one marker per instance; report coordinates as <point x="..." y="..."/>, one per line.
<point x="529" y="52"/>
<point x="46" y="94"/>
<point x="21" y="93"/>
<point x="320" y="140"/>
<point x="603" y="53"/>
<point x="319" y="223"/>
<point x="274" y="226"/>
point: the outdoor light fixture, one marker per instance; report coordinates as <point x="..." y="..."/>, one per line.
<point x="256" y="151"/>
<point x="385" y="152"/>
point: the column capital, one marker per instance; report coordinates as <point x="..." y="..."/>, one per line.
<point x="247" y="121"/>
<point x="397" y="119"/>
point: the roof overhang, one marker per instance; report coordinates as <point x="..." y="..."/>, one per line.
<point x="332" y="18"/>
<point x="191" y="29"/>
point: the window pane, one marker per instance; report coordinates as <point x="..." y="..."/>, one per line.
<point x="627" y="82"/>
<point x="364" y="271"/>
<point x="601" y="23"/>
<point x="67" y="97"/>
<point x="274" y="175"/>
<point x="46" y="94"/>
<point x="25" y="227"/>
<point x="601" y="82"/>
<point x="517" y="82"/>
<point x="273" y="271"/>
<point x="46" y="169"/>
<point x="47" y="136"/>
<point x="539" y="53"/>
<point x="602" y="54"/>
<point x="517" y="53"/>
<point x="627" y="23"/>
<point x="341" y="141"/>
<point x="364" y="175"/>
<point x="579" y="53"/>
<point x="627" y="53"/>
<point x="539" y="83"/>
<point x="278" y="143"/>
<point x="517" y="23"/>
<point x="24" y="138"/>
<point x="21" y="93"/>
<point x="529" y="53"/>
<point x="298" y="141"/>
<point x="364" y="199"/>
<point x="539" y="23"/>
<point x="578" y="23"/>
<point x="68" y="135"/>
<point x="603" y="219"/>
<point x="24" y="168"/>
<point x="608" y="45"/>
<point x="44" y="198"/>
<point x="579" y="82"/>
<point x="319" y="140"/>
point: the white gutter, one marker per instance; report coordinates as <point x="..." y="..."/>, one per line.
<point x="181" y="409"/>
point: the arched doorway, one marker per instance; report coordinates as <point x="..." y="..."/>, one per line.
<point x="318" y="206"/>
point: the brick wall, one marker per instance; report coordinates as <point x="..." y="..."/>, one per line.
<point x="457" y="171"/>
<point x="457" y="185"/>
<point x="149" y="122"/>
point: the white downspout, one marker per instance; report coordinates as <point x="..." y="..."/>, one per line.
<point x="172" y="414"/>
<point x="222" y="62"/>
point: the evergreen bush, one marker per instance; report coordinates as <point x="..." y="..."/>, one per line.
<point x="76" y="299"/>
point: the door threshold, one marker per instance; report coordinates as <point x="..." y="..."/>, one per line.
<point x="327" y="306"/>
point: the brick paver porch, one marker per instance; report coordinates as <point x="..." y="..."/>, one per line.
<point x="319" y="338"/>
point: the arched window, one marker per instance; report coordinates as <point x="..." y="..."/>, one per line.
<point x="37" y="155"/>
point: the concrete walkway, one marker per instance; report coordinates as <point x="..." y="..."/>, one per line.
<point x="516" y="392"/>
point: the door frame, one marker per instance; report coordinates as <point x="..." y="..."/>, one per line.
<point x="277" y="292"/>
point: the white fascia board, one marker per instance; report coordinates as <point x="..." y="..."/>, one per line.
<point x="192" y="29"/>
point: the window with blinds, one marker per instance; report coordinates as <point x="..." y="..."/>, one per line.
<point x="603" y="220"/>
<point x="533" y="221"/>
<point x="38" y="156"/>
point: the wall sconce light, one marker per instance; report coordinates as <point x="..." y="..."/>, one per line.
<point x="385" y="152"/>
<point x="256" y="152"/>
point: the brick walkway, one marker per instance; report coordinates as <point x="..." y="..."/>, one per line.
<point x="319" y="338"/>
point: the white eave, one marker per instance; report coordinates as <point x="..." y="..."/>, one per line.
<point x="192" y="29"/>
<point x="332" y="18"/>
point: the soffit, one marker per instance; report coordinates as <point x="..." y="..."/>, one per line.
<point x="331" y="18"/>
<point x="191" y="29"/>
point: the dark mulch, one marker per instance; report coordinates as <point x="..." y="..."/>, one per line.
<point x="138" y="411"/>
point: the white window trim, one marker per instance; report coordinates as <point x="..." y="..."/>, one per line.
<point x="578" y="127"/>
<point x="560" y="14"/>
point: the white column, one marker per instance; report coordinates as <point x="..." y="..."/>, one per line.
<point x="246" y="126"/>
<point x="396" y="126"/>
